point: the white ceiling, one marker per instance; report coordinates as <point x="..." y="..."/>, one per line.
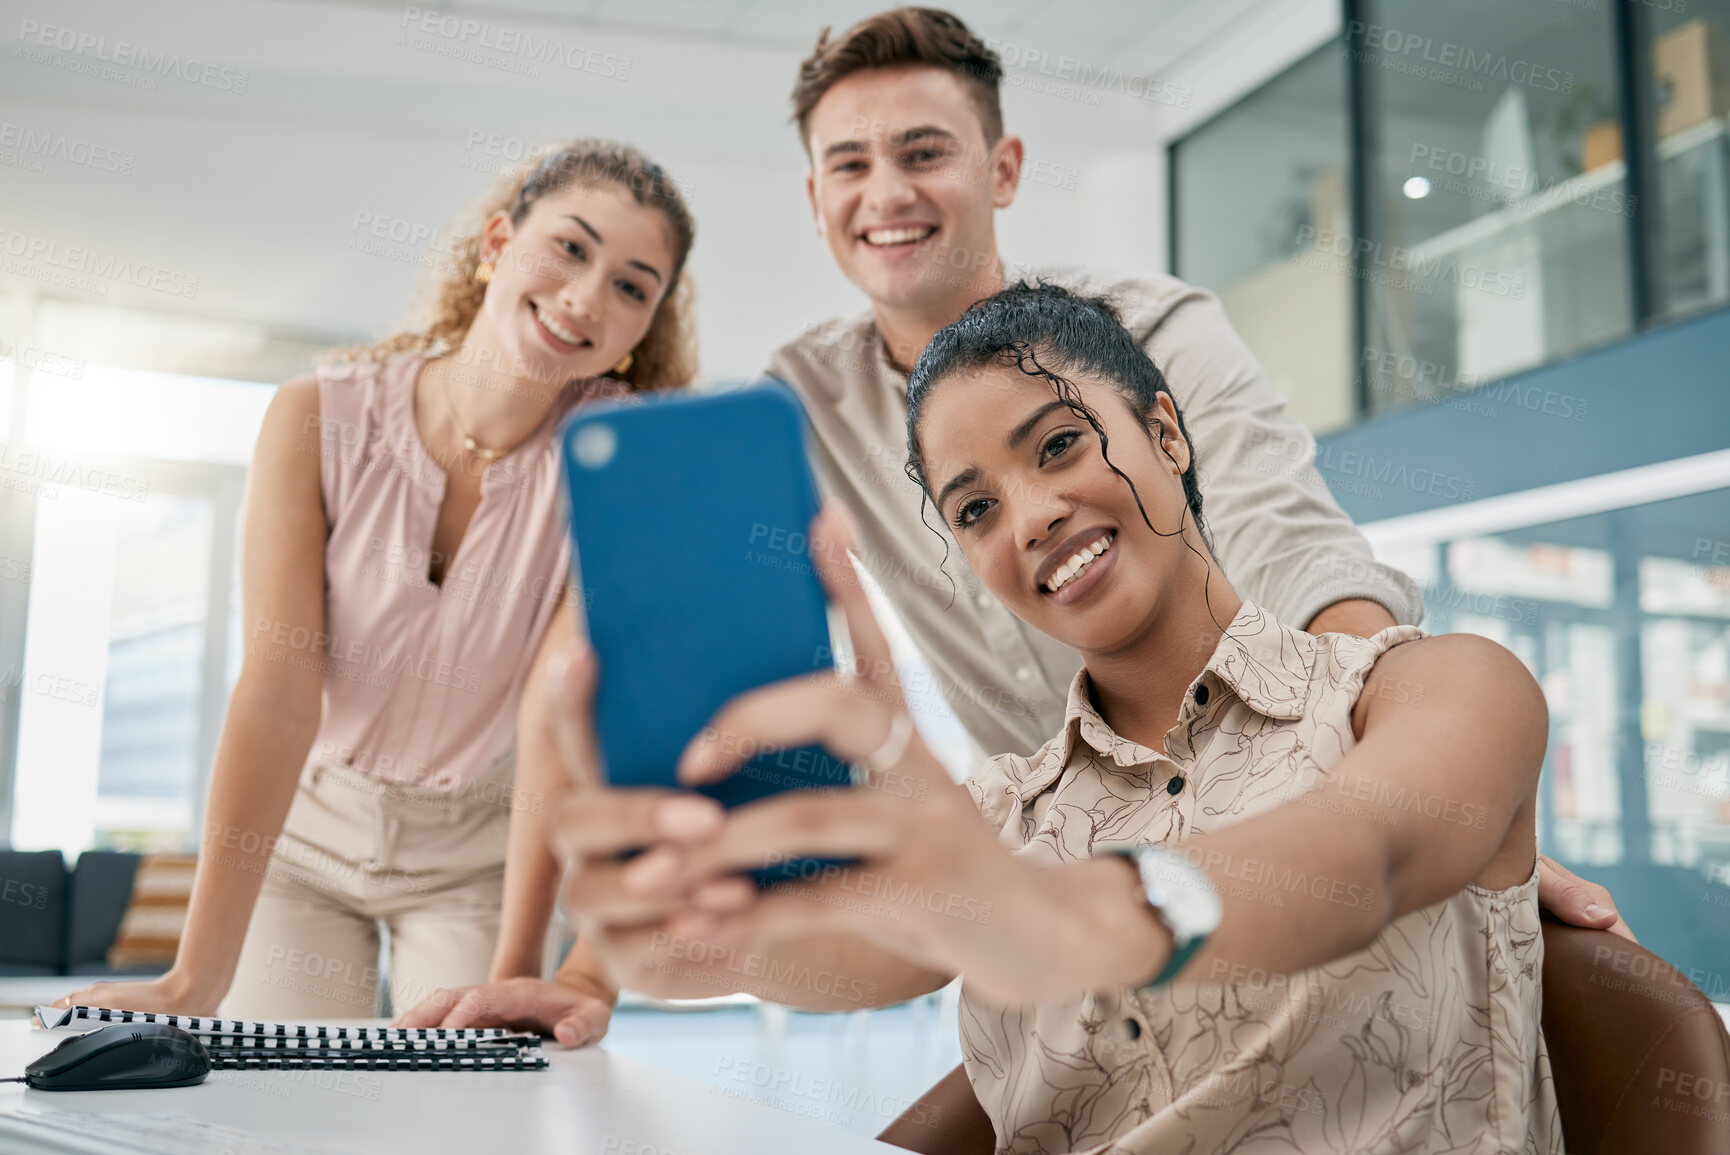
<point x="255" y="194"/>
<point x="1144" y="36"/>
<point x="703" y="71"/>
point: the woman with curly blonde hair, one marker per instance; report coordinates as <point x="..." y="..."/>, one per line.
<point x="403" y="567"/>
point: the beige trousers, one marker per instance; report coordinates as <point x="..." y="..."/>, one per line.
<point x="358" y="856"/>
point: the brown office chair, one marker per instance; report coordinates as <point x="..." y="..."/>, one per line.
<point x="946" y="1120"/>
<point x="1640" y="1057"/>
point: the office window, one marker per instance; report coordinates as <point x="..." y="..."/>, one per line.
<point x="148" y="772"/>
<point x="10" y="357"/>
<point x="135" y="478"/>
<point x="1624" y="618"/>
<point x="158" y="416"/>
<point x="6" y="372"/>
<point x="1258" y="192"/>
<point x="1691" y="77"/>
<point x="1496" y="211"/>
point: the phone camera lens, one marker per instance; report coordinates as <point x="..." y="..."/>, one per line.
<point x="594" y="445"/>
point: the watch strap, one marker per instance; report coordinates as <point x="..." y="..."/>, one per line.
<point x="1183" y="947"/>
<point x="1181" y="953"/>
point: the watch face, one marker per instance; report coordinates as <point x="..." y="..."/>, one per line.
<point x="1183" y="894"/>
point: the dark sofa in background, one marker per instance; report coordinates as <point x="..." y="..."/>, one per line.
<point x="60" y="921"/>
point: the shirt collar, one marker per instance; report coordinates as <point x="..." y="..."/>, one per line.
<point x="1265" y="664"/>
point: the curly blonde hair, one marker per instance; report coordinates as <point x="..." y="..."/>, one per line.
<point x="667" y="354"/>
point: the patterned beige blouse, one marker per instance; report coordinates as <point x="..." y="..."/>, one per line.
<point x="1428" y="1040"/>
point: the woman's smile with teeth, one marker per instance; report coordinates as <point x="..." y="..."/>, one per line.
<point x="898" y="236"/>
<point x="1078" y="564"/>
<point x="559" y="330"/>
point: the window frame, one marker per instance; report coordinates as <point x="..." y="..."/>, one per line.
<point x="223" y="485"/>
<point x="1631" y="50"/>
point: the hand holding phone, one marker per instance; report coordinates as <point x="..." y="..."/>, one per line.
<point x="690" y="522"/>
<point x="930" y="872"/>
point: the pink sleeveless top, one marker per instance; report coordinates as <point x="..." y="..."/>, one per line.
<point x="421" y="682"/>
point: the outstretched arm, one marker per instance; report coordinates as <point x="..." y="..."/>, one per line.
<point x="1442" y="784"/>
<point x="1439" y="793"/>
<point x="272" y="716"/>
<point x="1570" y="898"/>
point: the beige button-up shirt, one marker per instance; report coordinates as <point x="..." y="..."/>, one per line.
<point x="1427" y="1040"/>
<point x="1278" y="532"/>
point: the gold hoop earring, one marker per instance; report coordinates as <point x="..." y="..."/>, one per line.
<point x="484" y="272"/>
<point x="624" y="364"/>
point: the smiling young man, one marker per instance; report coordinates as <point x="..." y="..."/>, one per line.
<point x="901" y="119"/>
<point x="909" y="166"/>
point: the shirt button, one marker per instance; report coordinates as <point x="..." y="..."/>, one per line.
<point x="1201" y="695"/>
<point x="1025" y="673"/>
<point x="1175" y="786"/>
<point x="982" y="600"/>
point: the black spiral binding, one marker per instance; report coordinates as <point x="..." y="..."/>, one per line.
<point x="238" y="1045"/>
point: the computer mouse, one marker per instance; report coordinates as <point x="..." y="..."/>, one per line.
<point x="122" y="1057"/>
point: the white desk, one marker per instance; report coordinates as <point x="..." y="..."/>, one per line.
<point x="19" y="996"/>
<point x="588" y="1103"/>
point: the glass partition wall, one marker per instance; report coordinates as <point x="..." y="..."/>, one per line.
<point x="1689" y="86"/>
<point x="1623" y="616"/>
<point x="1440" y="197"/>
<point x="1257" y="194"/>
<point x="1495" y="215"/>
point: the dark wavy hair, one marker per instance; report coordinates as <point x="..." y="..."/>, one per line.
<point x="1054" y="334"/>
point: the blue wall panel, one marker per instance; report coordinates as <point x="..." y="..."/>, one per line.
<point x="1654" y="397"/>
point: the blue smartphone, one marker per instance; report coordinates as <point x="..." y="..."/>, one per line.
<point x="689" y="522"/>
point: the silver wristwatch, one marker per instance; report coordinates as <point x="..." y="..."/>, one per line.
<point x="1183" y="897"/>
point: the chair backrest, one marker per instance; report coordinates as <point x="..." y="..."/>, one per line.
<point x="1640" y="1056"/>
<point x="946" y="1120"/>
<point x="32" y="912"/>
<point x="101" y="892"/>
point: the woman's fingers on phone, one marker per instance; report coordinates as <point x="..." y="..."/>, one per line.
<point x="604" y="822"/>
<point x="595" y="890"/>
<point x="725" y="895"/>
<point x="796" y="824"/>
<point x="785" y="914"/>
<point x="571" y="677"/>
<point x="776" y="917"/>
<point x="816" y="709"/>
<point x="831" y="537"/>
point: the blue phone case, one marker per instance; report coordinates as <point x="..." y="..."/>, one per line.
<point x="689" y="517"/>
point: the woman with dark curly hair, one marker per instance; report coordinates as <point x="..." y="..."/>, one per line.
<point x="1264" y="890"/>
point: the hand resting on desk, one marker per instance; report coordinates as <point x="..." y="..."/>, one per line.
<point x="168" y="995"/>
<point x="571" y="1008"/>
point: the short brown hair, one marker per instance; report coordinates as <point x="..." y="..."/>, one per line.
<point x="903" y="36"/>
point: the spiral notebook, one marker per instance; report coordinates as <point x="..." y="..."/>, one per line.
<point x="239" y="1045"/>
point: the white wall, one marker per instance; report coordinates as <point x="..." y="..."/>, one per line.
<point x="256" y="194"/>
